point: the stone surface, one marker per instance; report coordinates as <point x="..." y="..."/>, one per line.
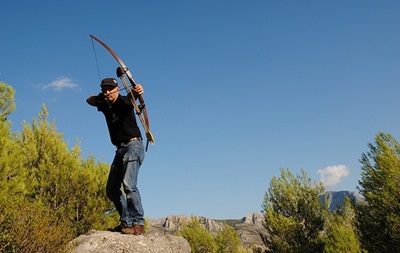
<point x="112" y="242"/>
<point x="173" y="223"/>
<point x="256" y="219"/>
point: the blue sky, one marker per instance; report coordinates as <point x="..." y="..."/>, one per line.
<point x="235" y="89"/>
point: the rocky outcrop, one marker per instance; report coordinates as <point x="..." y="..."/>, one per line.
<point x="249" y="228"/>
<point x="173" y="223"/>
<point x="111" y="242"/>
<point x="256" y="219"/>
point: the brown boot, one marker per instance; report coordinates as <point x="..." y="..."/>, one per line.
<point x="129" y="230"/>
<point x="117" y="228"/>
<point x="139" y="229"/>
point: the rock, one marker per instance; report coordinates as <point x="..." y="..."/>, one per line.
<point x="256" y="219"/>
<point x="173" y="223"/>
<point x="112" y="242"/>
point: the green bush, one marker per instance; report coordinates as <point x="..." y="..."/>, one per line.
<point x="202" y="241"/>
<point x="48" y="193"/>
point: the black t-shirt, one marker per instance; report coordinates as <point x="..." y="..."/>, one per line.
<point x="121" y="120"/>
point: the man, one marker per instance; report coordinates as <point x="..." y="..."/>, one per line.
<point x="125" y="135"/>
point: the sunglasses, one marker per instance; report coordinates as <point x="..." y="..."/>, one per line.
<point x="108" y="88"/>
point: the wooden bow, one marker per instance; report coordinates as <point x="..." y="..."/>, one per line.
<point x="124" y="73"/>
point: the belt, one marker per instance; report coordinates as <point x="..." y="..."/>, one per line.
<point x="123" y="144"/>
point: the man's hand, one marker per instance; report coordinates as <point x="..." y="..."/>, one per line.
<point x="137" y="90"/>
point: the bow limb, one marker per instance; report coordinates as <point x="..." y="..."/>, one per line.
<point x="142" y="107"/>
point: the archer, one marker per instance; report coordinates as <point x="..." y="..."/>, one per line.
<point x="126" y="136"/>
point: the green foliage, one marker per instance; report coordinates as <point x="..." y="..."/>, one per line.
<point x="35" y="228"/>
<point x="8" y="167"/>
<point x="340" y="232"/>
<point x="199" y="238"/>
<point x="294" y="216"/>
<point x="228" y="241"/>
<point x="7" y="104"/>
<point x="48" y="193"/>
<point x="202" y="241"/>
<point x="379" y="220"/>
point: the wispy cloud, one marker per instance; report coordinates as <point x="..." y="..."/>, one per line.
<point x="332" y="175"/>
<point x="60" y="84"/>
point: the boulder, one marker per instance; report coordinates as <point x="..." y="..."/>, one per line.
<point x="112" y="242"/>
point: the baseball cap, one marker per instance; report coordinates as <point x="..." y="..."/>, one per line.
<point x="109" y="82"/>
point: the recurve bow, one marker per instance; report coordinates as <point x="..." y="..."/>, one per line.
<point x="124" y="73"/>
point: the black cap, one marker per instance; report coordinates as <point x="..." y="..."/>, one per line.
<point x="109" y="82"/>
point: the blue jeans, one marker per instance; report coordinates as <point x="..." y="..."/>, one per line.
<point x="124" y="170"/>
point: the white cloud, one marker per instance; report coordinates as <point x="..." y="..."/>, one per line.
<point x="332" y="175"/>
<point x="60" y="83"/>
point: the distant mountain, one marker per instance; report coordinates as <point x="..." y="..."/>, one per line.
<point x="336" y="199"/>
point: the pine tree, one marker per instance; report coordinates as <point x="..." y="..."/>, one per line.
<point x="340" y="231"/>
<point x="7" y="169"/>
<point x="68" y="185"/>
<point x="7" y="104"/>
<point x="294" y="216"/>
<point x="10" y="186"/>
<point x="379" y="220"/>
<point x="48" y="193"/>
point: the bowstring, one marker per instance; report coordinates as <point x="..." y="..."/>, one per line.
<point x="98" y="66"/>
<point x="95" y="57"/>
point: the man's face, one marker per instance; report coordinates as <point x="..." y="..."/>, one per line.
<point x="110" y="92"/>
